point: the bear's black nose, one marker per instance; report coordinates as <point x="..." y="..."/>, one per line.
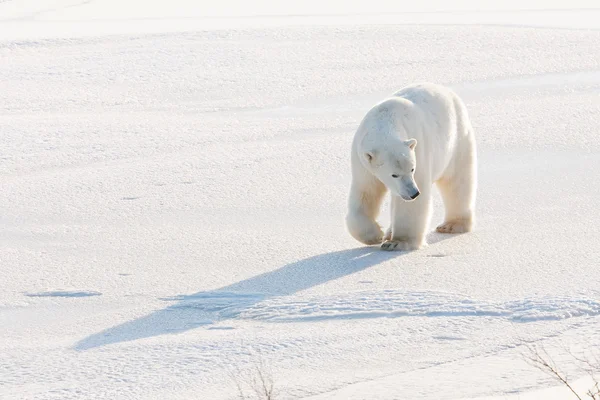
<point x="414" y="196"/>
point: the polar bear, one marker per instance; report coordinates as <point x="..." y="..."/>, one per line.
<point x="419" y="136"/>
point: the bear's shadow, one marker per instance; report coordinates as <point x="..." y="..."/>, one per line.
<point x="209" y="307"/>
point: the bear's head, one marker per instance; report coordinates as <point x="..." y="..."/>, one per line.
<point x="395" y="167"/>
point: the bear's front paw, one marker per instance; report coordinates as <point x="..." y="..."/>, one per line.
<point x="397" y="245"/>
<point x="372" y="237"/>
<point x="455" y="226"/>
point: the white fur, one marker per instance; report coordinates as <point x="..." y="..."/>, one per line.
<point x="425" y="127"/>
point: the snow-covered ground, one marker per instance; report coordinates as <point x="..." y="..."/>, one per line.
<point x="173" y="189"/>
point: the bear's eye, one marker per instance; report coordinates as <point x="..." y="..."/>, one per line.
<point x="412" y="170"/>
<point x="394" y="176"/>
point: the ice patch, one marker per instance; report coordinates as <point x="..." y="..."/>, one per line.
<point x="65" y="293"/>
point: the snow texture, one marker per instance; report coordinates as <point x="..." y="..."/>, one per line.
<point x="174" y="185"/>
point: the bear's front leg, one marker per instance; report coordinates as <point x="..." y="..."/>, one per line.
<point x="364" y="201"/>
<point x="458" y="191"/>
<point x="363" y="228"/>
<point x="409" y="223"/>
<point x="388" y="234"/>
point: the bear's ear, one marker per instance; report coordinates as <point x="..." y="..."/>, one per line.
<point x="370" y="155"/>
<point x="411" y="143"/>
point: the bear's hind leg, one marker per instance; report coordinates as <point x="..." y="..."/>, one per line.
<point x="363" y="208"/>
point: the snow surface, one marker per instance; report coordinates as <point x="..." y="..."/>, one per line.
<point x="174" y="181"/>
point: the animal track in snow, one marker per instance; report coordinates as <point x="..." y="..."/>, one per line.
<point x="383" y="304"/>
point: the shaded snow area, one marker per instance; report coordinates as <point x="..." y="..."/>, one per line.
<point x="174" y="178"/>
